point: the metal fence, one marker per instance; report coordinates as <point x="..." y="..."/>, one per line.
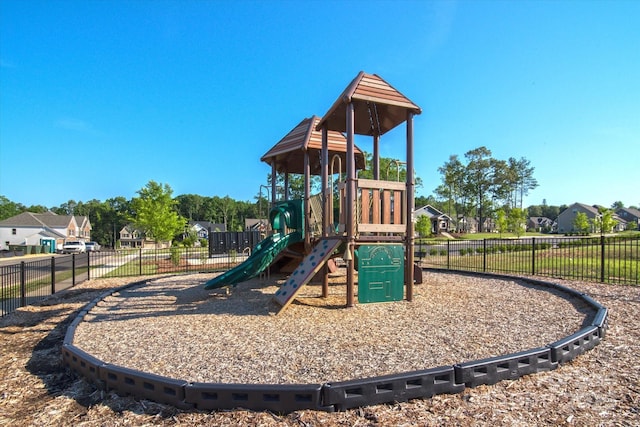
<point x="598" y="259"/>
<point x="603" y="259"/>
<point x="25" y="282"/>
<point x="139" y="262"/>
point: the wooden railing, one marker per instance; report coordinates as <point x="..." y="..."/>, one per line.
<point x="381" y="206"/>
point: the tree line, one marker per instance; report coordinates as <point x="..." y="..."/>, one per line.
<point x="480" y="184"/>
<point x="477" y="185"/>
<point x="154" y="210"/>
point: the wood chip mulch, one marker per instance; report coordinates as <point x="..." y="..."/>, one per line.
<point x="171" y="326"/>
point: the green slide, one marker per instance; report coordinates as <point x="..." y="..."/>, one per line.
<point x="263" y="255"/>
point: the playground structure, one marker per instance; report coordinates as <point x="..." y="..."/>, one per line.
<point x="373" y="222"/>
<point x="374" y="225"/>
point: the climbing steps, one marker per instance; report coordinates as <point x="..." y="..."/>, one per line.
<point x="309" y="266"/>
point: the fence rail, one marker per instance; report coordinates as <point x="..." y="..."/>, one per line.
<point x="600" y="259"/>
<point x="26" y="282"/>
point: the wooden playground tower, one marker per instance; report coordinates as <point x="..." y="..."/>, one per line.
<point x="372" y="211"/>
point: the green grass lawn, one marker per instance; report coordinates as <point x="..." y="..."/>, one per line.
<point x="621" y="265"/>
<point x="41" y="283"/>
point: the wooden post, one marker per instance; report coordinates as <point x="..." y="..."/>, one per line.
<point x="326" y="195"/>
<point x="376" y="157"/>
<point x="273" y="183"/>
<point x="350" y="202"/>
<point x="307" y="203"/>
<point x="285" y="197"/>
<point x="410" y="239"/>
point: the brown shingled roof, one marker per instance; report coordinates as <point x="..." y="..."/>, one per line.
<point x="288" y="153"/>
<point x="378" y="106"/>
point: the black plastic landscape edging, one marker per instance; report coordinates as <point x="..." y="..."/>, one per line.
<point x="336" y="396"/>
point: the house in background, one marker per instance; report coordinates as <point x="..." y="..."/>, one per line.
<point x="630" y="216"/>
<point x="541" y="224"/>
<point x="567" y="217"/>
<point x="440" y="222"/>
<point x="30" y="228"/>
<point x="202" y="228"/>
<point x="467" y="224"/>
<point x="620" y="224"/>
<point x="132" y="238"/>
<point x="256" y="224"/>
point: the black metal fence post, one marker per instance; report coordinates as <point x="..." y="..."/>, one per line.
<point x="73" y="270"/>
<point x="484" y="255"/>
<point x="533" y="256"/>
<point x="140" y="259"/>
<point x="88" y="265"/>
<point x="23" y="285"/>
<point x="210" y="241"/>
<point x="448" y="254"/>
<point x="53" y="275"/>
<point x="602" y="258"/>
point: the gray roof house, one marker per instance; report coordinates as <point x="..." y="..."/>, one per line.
<point x="630" y="216"/>
<point x="202" y="228"/>
<point x="566" y="217"/>
<point x="29" y="228"/>
<point x="439" y="221"/>
<point x="541" y="224"/>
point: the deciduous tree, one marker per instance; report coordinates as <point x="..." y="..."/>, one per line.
<point x="501" y="222"/>
<point x="517" y="221"/>
<point x="423" y="226"/>
<point x="155" y="212"/>
<point x="581" y="223"/>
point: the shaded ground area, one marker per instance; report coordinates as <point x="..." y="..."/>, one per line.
<point x="601" y="387"/>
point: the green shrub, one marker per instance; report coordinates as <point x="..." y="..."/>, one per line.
<point x="175" y="256"/>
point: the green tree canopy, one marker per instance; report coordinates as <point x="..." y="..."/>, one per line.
<point x="390" y="170"/>
<point x="154" y="212"/>
<point x="9" y="208"/>
<point x="423" y="226"/>
<point x="501" y="222"/>
<point x="484" y="182"/>
<point x="517" y="221"/>
<point x="581" y="223"/>
<point x="605" y="222"/>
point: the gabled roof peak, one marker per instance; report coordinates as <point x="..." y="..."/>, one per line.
<point x="378" y="106"/>
<point x="288" y="153"/>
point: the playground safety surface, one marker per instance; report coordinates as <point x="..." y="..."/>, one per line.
<point x="597" y="387"/>
<point x="174" y="328"/>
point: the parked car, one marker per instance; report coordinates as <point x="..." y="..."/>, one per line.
<point x="93" y="246"/>
<point x="74" y="247"/>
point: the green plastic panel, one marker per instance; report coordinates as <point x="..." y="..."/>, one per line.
<point x="380" y="273"/>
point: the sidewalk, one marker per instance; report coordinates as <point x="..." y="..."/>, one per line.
<point x="26" y="258"/>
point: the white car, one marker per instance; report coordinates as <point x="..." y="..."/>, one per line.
<point x="93" y="246"/>
<point x="76" y="247"/>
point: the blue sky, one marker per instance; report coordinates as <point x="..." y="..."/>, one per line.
<point x="99" y="97"/>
